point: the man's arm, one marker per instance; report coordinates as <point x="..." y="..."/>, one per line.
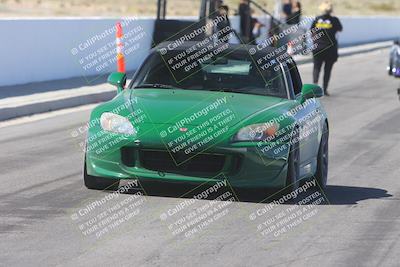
<point x="313" y="24"/>
<point x="339" y="25"/>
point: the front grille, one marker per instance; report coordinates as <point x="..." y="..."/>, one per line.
<point x="206" y="164"/>
<point x="128" y="156"/>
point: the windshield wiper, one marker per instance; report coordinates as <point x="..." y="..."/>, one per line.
<point x="228" y="90"/>
<point x="244" y="90"/>
<point x="156" y="85"/>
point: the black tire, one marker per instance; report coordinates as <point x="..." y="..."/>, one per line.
<point x="99" y="183"/>
<point x="293" y="173"/>
<point x="323" y="159"/>
<point x="390" y="68"/>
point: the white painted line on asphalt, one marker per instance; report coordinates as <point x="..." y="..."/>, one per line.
<point x="42" y="116"/>
<point x="17" y="101"/>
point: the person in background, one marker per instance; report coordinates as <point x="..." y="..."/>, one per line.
<point x="218" y="4"/>
<point x="324" y="30"/>
<point x="245" y="21"/>
<point x="295" y="15"/>
<point x="224" y="27"/>
<point x="287" y="9"/>
<point x="256" y="26"/>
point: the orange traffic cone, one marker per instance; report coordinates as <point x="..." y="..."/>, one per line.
<point x="120" y="46"/>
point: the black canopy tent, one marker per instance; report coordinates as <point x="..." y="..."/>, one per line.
<point x="172" y="29"/>
<point x="205" y="4"/>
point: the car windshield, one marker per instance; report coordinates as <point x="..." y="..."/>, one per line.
<point x="237" y="73"/>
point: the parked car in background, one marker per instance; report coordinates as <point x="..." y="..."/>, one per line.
<point x="394" y="62"/>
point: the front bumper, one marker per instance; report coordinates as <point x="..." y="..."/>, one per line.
<point x="241" y="164"/>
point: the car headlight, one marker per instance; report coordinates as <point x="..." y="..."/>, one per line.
<point x="257" y="132"/>
<point x="117" y="124"/>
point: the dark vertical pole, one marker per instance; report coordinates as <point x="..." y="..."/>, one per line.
<point x="158" y="9"/>
<point x="213" y="7"/>
<point x="164" y="9"/>
<point x="203" y="9"/>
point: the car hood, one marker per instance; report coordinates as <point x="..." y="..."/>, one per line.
<point x="194" y="107"/>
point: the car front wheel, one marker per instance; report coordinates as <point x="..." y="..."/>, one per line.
<point x="293" y="173"/>
<point x="390" y="69"/>
<point x="323" y="159"/>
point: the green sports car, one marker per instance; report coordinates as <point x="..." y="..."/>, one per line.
<point x="197" y="112"/>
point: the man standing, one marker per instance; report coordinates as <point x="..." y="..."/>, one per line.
<point x="324" y="29"/>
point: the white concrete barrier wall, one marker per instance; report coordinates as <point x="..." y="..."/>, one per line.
<point x="368" y="29"/>
<point x="33" y="50"/>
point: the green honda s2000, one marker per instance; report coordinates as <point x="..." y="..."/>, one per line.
<point x="196" y="113"/>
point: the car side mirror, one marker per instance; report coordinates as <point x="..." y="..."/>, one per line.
<point x="311" y="91"/>
<point x="117" y="79"/>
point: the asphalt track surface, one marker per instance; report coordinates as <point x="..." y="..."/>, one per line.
<point x="359" y="225"/>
